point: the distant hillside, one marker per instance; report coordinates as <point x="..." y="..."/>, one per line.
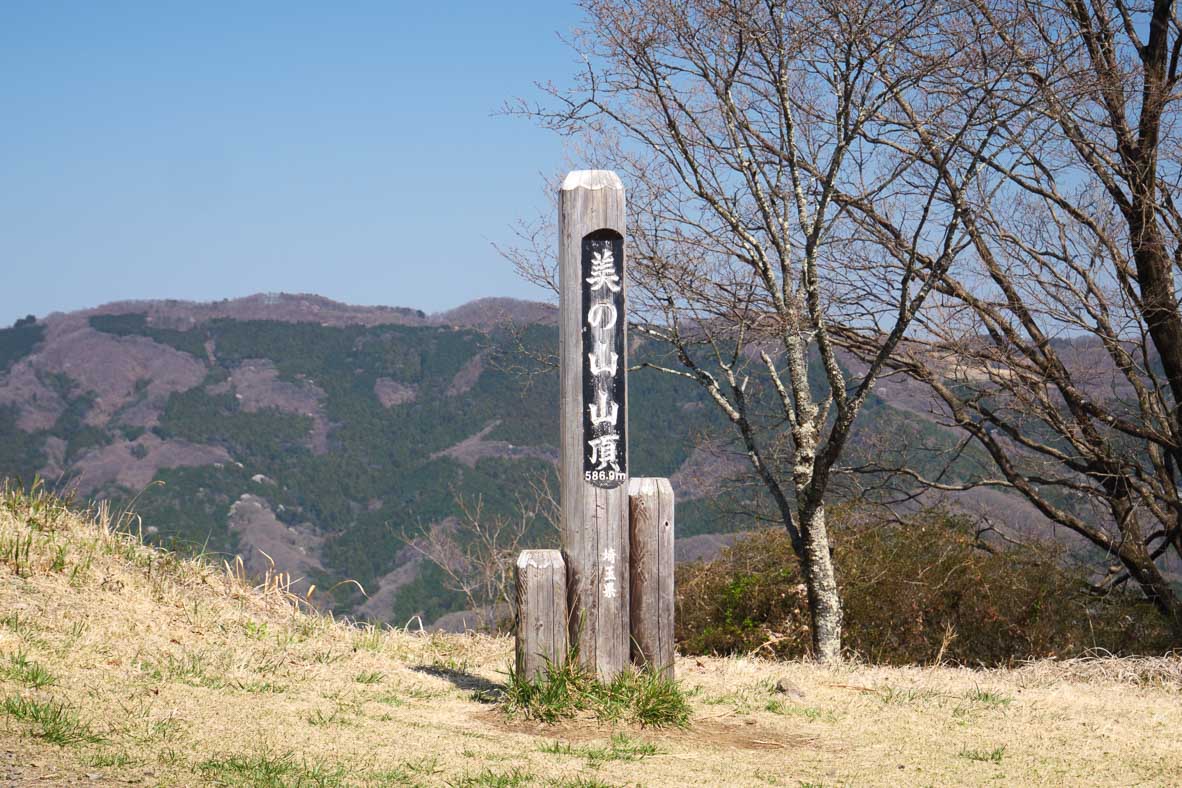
<point x="294" y="429"/>
<point x="313" y="432"/>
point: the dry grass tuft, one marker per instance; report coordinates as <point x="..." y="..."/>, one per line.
<point x="1164" y="672"/>
<point x="120" y="662"/>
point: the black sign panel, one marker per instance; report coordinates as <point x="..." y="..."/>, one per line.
<point x="605" y="439"/>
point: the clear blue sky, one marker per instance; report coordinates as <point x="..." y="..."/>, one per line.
<point x="210" y="150"/>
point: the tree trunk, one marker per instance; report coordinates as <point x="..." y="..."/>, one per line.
<point x="1159" y="590"/>
<point x="1159" y="306"/>
<point x="1142" y="568"/>
<point x="821" y="583"/>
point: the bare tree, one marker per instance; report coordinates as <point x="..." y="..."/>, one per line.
<point x="477" y="551"/>
<point x="1056" y="344"/>
<point x="748" y="132"/>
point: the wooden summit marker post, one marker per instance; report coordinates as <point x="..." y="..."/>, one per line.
<point x="593" y="417"/>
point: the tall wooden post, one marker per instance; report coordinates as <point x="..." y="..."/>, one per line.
<point x="594" y="417"/>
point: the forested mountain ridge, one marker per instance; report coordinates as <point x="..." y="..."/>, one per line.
<point x="321" y="436"/>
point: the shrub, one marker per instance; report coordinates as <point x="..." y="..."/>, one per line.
<point x="918" y="592"/>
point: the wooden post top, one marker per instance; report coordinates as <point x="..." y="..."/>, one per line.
<point x="539" y="558"/>
<point x="640" y="485"/>
<point x="592" y="179"/>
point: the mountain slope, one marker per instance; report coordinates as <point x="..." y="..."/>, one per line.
<point x="323" y="437"/>
<point x="315" y="433"/>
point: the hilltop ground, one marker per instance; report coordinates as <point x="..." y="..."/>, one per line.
<point x="120" y="663"/>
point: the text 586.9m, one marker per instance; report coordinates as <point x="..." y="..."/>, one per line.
<point x="604" y="476"/>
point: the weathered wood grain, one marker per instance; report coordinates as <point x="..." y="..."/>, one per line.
<point x="650" y="527"/>
<point x="594" y="520"/>
<point x="541" y="611"/>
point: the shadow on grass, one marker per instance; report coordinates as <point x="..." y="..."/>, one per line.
<point x="469" y="682"/>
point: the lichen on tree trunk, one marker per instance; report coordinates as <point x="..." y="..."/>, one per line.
<point x="820" y="581"/>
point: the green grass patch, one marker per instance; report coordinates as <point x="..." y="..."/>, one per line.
<point x="56" y="723"/>
<point x="890" y="695"/>
<point x="811" y="713"/>
<point x="987" y="698"/>
<point x="986" y="756"/>
<point x="621" y="747"/>
<point x="260" y="687"/>
<point x="565" y="691"/>
<point x="268" y="770"/>
<point x="194" y="668"/>
<point x="16" y="553"/>
<point x="490" y="779"/>
<point x="32" y="674"/>
<point x="405" y="773"/>
<point x="369" y="677"/>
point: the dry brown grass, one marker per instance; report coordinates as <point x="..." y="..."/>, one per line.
<point x="179" y="673"/>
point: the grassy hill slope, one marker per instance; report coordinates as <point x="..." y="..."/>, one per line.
<point x="120" y="663"/>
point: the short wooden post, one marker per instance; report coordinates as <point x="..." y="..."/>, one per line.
<point x="650" y="524"/>
<point x="541" y="612"/>
<point x="594" y="416"/>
